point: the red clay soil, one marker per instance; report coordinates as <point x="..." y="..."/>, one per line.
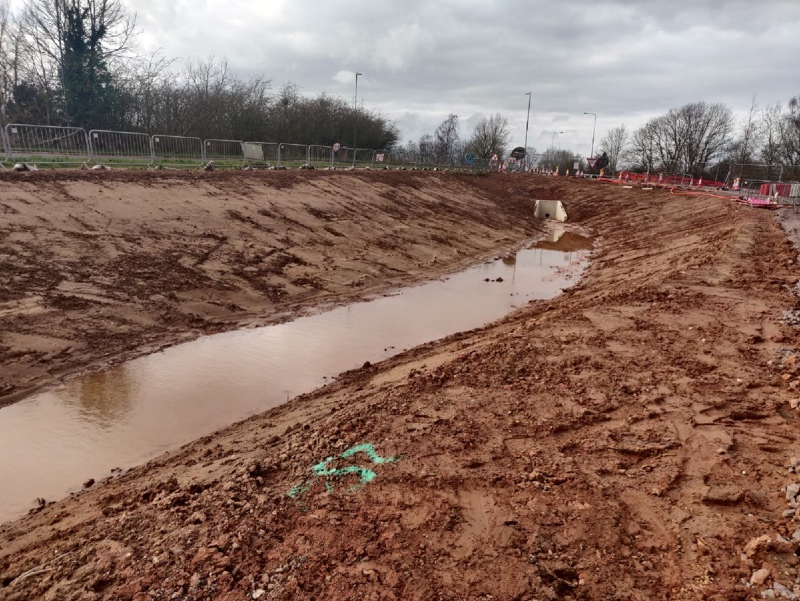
<point x="100" y="267"/>
<point x="627" y="440"/>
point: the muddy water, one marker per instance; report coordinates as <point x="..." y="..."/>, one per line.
<point x="52" y="442"/>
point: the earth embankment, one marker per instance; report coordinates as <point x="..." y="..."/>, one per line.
<point x="626" y="440"/>
<point x="97" y="268"/>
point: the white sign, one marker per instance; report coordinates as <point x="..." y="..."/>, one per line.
<point x="336" y="147"/>
<point x="494" y="157"/>
<point x="575" y="165"/>
<point x="379" y="157"/>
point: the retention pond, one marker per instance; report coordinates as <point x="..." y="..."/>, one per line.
<point x="53" y="441"/>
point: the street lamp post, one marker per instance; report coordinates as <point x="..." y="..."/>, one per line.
<point x="527" y="122"/>
<point x="553" y="139"/>
<point x="355" y="118"/>
<point x="591" y="152"/>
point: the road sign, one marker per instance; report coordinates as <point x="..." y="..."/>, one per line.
<point x="518" y="153"/>
<point x="336" y="147"/>
<point x="576" y="165"/>
<point x="469" y="156"/>
<point x="494" y="157"/>
<point x="592" y="163"/>
<point x="379" y="157"/>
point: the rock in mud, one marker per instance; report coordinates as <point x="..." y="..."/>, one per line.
<point x="724" y="494"/>
<point x="759" y="577"/>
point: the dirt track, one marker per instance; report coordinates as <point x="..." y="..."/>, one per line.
<point x="100" y="268"/>
<point x="626" y="440"/>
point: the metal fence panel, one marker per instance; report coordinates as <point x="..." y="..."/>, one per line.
<point x="261" y="153"/>
<point x="177" y="150"/>
<point x="222" y="152"/>
<point x="292" y="155"/>
<point x="6" y="154"/>
<point x="320" y="156"/>
<point x="47" y="144"/>
<point x="363" y="157"/>
<point x="402" y="158"/>
<point x="427" y="160"/>
<point x="342" y="157"/>
<point x="120" y="147"/>
<point x="380" y="158"/>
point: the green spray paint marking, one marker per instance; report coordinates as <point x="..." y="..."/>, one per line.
<point x="321" y="470"/>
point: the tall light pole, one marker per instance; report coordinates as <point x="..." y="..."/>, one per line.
<point x="591" y="152"/>
<point x="355" y="118"/>
<point x="527" y="122"/>
<point x="553" y="139"/>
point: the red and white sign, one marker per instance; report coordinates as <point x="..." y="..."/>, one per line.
<point x="494" y="158"/>
<point x="336" y="147"/>
<point x="379" y="157"/>
<point x="592" y="163"/>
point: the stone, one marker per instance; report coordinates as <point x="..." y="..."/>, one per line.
<point x="782" y="591"/>
<point x="258" y="593"/>
<point x="759" y="577"/>
<point x="724" y="494"/>
<point x="751" y="547"/>
<point x="791" y="491"/>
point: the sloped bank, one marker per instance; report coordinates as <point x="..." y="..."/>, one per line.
<point x="624" y="440"/>
<point x="102" y="267"/>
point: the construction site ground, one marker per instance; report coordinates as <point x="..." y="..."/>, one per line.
<point x="632" y="438"/>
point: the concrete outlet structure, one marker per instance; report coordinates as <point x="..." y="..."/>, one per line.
<point x="550" y="209"/>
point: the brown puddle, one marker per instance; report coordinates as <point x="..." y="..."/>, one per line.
<point x="53" y="441"/>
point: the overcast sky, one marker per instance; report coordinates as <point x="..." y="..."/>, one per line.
<point x="422" y="59"/>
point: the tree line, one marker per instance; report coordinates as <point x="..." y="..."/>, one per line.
<point x="705" y="139"/>
<point x="490" y="136"/>
<point x="75" y="62"/>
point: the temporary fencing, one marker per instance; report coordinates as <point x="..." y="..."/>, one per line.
<point x="363" y="157"/>
<point x="178" y="150"/>
<point x="320" y="156"/>
<point x="54" y="145"/>
<point x="380" y="158"/>
<point x="224" y="152"/>
<point x="46" y="144"/>
<point x="261" y="153"/>
<point x="342" y="157"/>
<point x="121" y="147"/>
<point x="292" y="155"/>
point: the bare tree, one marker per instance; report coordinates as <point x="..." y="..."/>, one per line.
<point x="427" y="145"/>
<point x="7" y="58"/>
<point x="446" y="137"/>
<point x="790" y="133"/>
<point x="643" y="154"/>
<point x="685" y="139"/>
<point x="563" y="160"/>
<point x="491" y="136"/>
<point x="750" y="134"/>
<point x="771" y="131"/>
<point x="615" y="145"/>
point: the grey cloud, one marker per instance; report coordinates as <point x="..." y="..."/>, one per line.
<point x="626" y="60"/>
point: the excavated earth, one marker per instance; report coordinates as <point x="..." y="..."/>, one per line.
<point x="98" y="268"/>
<point x="628" y="439"/>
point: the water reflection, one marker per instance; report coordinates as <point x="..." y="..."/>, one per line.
<point x="103" y="398"/>
<point x="55" y="440"/>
